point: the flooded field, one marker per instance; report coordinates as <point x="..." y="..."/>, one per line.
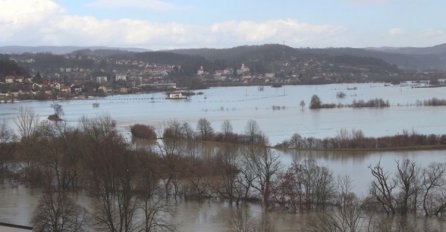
<point x="277" y="110"/>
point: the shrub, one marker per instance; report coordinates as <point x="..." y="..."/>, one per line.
<point x="315" y="102"/>
<point x="143" y="131"/>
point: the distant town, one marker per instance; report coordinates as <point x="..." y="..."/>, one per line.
<point x="85" y="73"/>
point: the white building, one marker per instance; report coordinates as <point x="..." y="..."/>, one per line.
<point x="121" y="77"/>
<point x="101" y="79"/>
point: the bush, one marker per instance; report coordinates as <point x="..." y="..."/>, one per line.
<point x="377" y="103"/>
<point x="315" y="102"/>
<point x="143" y="131"/>
<point x="340" y="95"/>
<point x="435" y="102"/>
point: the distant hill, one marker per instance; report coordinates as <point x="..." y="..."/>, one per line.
<point x="58" y="50"/>
<point x="429" y="58"/>
<point x="437" y="49"/>
<point x="413" y="59"/>
<point x="406" y="58"/>
<point x="263" y="57"/>
<point x="241" y="53"/>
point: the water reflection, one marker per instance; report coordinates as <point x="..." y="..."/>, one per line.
<point x="356" y="164"/>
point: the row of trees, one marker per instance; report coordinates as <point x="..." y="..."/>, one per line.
<point x="432" y="102"/>
<point x="316" y="103"/>
<point x="355" y="139"/>
<point x="203" y="132"/>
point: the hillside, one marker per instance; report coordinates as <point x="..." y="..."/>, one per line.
<point x="411" y="59"/>
<point x="10" y="67"/>
<point x="58" y="50"/>
<point x="276" y="58"/>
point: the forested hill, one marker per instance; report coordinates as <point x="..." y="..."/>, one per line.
<point x="273" y="57"/>
<point x="286" y="64"/>
<point x="10" y="67"/>
<point x="405" y="58"/>
<point x="413" y="59"/>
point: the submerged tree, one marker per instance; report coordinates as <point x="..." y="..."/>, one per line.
<point x="434" y="187"/>
<point x="266" y="165"/>
<point x="204" y="129"/>
<point x="381" y="189"/>
<point x="315" y="102"/>
<point x="26" y="121"/>
<point x="57" y="212"/>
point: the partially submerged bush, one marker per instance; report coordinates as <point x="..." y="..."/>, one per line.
<point x="143" y="131"/>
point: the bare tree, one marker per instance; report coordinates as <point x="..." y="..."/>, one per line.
<point x="242" y="222"/>
<point x="204" y="129"/>
<point x="348" y="206"/>
<point x="154" y="210"/>
<point x="266" y="165"/>
<point x="254" y="134"/>
<point x="113" y="169"/>
<point x="296" y="141"/>
<point x="407" y="180"/>
<point x="26" y="121"/>
<point x="345" y="216"/>
<point x="228" y="169"/>
<point x="6" y="147"/>
<point x="434" y="186"/>
<point x="170" y="152"/>
<point x="305" y="185"/>
<point x="56" y="212"/>
<point x="381" y="189"/>
<point x="99" y="127"/>
<point x="187" y="131"/>
<point x="226" y="129"/>
<point x="318" y="182"/>
<point x="245" y="179"/>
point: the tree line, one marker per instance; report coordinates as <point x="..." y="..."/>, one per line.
<point x="316" y="103"/>
<point x="356" y="139"/>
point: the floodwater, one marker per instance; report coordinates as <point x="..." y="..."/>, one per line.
<point x="240" y="104"/>
<point x="18" y="202"/>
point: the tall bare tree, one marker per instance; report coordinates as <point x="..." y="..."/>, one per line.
<point x="434" y="187"/>
<point x="381" y="189"/>
<point x="57" y="212"/>
<point x="204" y="129"/>
<point x="112" y="169"/>
<point x="27" y="121"/>
<point x="266" y="165"/>
<point x="408" y="182"/>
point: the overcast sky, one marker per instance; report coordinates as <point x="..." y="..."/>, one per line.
<point x="165" y="24"/>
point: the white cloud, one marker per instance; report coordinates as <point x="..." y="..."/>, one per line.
<point x="369" y="1"/>
<point x="154" y="5"/>
<point x="43" y="22"/>
<point x="274" y="31"/>
<point x="26" y="11"/>
<point x="396" y="31"/>
<point x="20" y="16"/>
<point x="121" y="32"/>
<point x="431" y="32"/>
